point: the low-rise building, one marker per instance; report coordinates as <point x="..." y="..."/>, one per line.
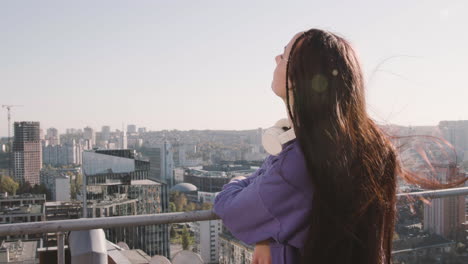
<point x="207" y="239"/>
<point x="22" y="209"/>
<point x="19" y="251"/>
<point x="58" y="181"/>
<point x="113" y="174"/>
<point x="234" y="251"/>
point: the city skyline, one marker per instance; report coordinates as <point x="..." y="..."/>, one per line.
<point x="209" y="65"/>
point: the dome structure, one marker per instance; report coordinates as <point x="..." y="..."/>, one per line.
<point x="184" y="187"/>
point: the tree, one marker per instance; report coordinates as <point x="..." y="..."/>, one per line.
<point x="42" y="189"/>
<point x="180" y="202"/>
<point x="172" y="232"/>
<point x="24" y="187"/>
<point x="75" y="185"/>
<point x="206" y="206"/>
<point x="185" y="239"/>
<point x="190" y="207"/>
<point x="7" y="184"/>
<point x="172" y="207"/>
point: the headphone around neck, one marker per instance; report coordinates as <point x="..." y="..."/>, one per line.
<point x="276" y="136"/>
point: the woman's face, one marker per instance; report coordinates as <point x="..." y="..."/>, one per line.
<point x="278" y="84"/>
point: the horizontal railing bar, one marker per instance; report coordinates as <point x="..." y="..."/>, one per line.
<point x="423" y="247"/>
<point x="155" y="219"/>
<point x="436" y="193"/>
<point x="105" y="222"/>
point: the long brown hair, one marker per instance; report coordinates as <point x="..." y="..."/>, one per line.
<point x="351" y="163"/>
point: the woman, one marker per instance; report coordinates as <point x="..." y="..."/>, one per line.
<point x="329" y="195"/>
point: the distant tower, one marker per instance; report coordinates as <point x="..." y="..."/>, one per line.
<point x="131" y="129"/>
<point x="456" y="132"/>
<point x="105" y="133"/>
<point x="445" y="216"/>
<point x="90" y="137"/>
<point x="123" y="139"/>
<point x="161" y="160"/>
<point x="27" y="152"/>
<point x="52" y="136"/>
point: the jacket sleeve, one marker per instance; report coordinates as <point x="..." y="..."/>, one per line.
<point x="259" y="208"/>
<point x="243" y="212"/>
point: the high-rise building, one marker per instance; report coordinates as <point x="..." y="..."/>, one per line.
<point x="66" y="154"/>
<point x="117" y="175"/>
<point x="122" y="140"/>
<point x="52" y="137"/>
<point x="141" y="130"/>
<point x="89" y="136"/>
<point x="27" y="157"/>
<point x="445" y="216"/>
<point x="456" y="132"/>
<point x="73" y="131"/>
<point x="161" y="160"/>
<point x="131" y="129"/>
<point x="179" y="154"/>
<point x="105" y="133"/>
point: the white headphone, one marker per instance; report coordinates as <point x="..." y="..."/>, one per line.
<point x="274" y="137"/>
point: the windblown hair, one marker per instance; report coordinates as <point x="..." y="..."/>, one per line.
<point x="352" y="164"/>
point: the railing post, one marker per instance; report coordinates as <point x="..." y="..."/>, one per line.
<point x="60" y="248"/>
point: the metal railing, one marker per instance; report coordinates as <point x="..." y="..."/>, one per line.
<point x="164" y="218"/>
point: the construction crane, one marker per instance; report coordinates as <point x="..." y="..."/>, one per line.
<point x="8" y="107"/>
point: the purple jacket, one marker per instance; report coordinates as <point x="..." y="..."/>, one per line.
<point x="272" y="203"/>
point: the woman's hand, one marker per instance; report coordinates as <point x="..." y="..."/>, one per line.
<point x="262" y="253"/>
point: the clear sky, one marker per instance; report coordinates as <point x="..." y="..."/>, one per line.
<point x="209" y="64"/>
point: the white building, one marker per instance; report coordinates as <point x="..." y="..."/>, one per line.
<point x="65" y="154"/>
<point x="207" y="239"/>
<point x="62" y="189"/>
<point x="206" y="197"/>
<point x="123" y="140"/>
<point x="58" y="182"/>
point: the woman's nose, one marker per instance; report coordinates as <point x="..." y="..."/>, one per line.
<point x="277" y="59"/>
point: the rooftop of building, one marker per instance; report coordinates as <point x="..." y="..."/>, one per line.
<point x="133" y="256"/>
<point x="133" y="182"/>
<point x="25" y="209"/>
<point x="123" y="153"/>
<point x="184" y="187"/>
<point x="144" y="182"/>
<point x="201" y="172"/>
<point x="18" y="252"/>
<point x="113" y="201"/>
<point x="63" y="203"/>
<point x="26" y="196"/>
<point x="198" y="171"/>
